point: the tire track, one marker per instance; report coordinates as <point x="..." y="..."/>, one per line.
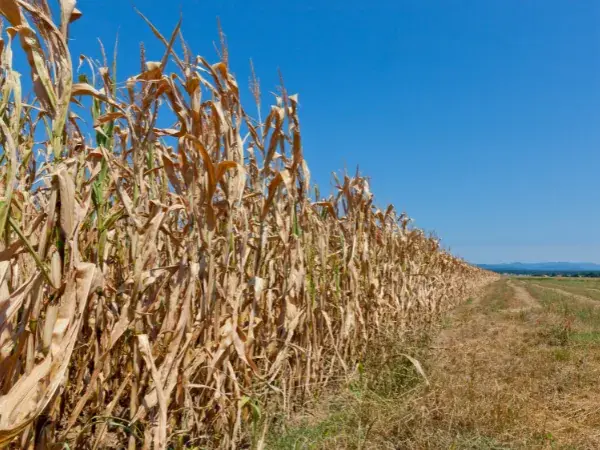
<point x="524" y="297"/>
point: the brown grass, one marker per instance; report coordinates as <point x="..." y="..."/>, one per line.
<point x="160" y="285"/>
<point x="504" y="371"/>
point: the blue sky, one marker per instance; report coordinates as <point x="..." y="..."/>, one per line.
<point x="480" y="119"/>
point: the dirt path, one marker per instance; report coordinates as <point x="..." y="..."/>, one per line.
<point x="522" y="296"/>
<point x="502" y="378"/>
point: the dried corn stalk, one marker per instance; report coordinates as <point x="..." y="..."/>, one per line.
<point x="156" y="282"/>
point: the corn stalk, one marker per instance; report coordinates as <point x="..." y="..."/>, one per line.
<point x="157" y="284"/>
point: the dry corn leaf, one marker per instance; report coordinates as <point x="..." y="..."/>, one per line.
<point x="218" y="280"/>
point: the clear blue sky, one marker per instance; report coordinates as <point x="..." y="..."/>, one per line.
<point x="481" y="119"/>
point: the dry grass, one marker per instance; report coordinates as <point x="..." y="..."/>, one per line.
<point x="516" y="368"/>
<point x="159" y="286"/>
<point x="589" y="287"/>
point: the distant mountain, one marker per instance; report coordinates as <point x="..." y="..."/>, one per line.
<point x="544" y="267"/>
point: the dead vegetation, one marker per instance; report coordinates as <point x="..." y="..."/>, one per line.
<point x="160" y="284"/>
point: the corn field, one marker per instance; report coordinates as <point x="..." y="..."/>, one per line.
<point x="158" y="283"/>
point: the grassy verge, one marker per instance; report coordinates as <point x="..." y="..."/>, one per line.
<point x="385" y="405"/>
<point x="498" y="296"/>
<point x="497" y="379"/>
<point x="360" y="413"/>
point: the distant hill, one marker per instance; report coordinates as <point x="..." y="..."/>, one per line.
<point x="543" y="267"/>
